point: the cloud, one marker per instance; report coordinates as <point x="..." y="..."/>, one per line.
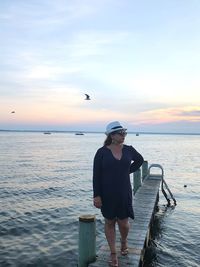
<point x="49" y="72"/>
<point x="95" y="43"/>
<point x="137" y="68"/>
<point x="168" y="115"/>
<point x="191" y="112"/>
<point x="49" y="13"/>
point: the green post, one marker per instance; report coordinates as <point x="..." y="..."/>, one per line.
<point x="144" y="169"/>
<point x="136" y="180"/>
<point x="87" y="240"/>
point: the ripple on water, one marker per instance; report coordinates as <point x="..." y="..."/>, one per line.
<point x="46" y="183"/>
<point x="42" y="238"/>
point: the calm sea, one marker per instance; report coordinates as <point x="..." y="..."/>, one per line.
<point x="45" y="185"/>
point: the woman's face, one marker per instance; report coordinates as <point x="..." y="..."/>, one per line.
<point x="119" y="136"/>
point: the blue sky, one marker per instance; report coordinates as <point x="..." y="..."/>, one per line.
<point x="138" y="60"/>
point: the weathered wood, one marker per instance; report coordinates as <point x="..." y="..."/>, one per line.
<point x="144" y="203"/>
<point x="136" y="180"/>
<point x="87" y="240"/>
<point x="144" y="169"/>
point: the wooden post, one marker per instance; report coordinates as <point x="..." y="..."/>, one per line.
<point x="87" y="240"/>
<point x="144" y="169"/>
<point x="136" y="180"/>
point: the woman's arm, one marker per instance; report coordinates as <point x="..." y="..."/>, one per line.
<point x="137" y="160"/>
<point x="97" y="180"/>
<point x="97" y="174"/>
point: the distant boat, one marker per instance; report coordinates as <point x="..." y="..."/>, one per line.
<point x="79" y="133"/>
<point x="137" y="134"/>
<point x="47" y="133"/>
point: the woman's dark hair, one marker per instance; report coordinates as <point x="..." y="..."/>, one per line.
<point x="108" y="140"/>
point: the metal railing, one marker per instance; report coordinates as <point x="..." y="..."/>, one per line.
<point x="164" y="186"/>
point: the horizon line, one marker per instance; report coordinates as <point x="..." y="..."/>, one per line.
<point x="74" y="131"/>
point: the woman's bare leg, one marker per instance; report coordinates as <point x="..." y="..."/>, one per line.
<point x="110" y="234"/>
<point x="124" y="230"/>
<point x="111" y="238"/>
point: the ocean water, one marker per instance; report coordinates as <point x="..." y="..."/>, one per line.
<point x="46" y="184"/>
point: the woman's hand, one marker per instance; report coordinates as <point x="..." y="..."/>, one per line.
<point x="97" y="202"/>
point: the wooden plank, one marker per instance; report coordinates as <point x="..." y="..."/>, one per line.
<point x="144" y="203"/>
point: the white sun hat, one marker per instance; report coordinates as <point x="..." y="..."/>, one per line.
<point x="114" y="126"/>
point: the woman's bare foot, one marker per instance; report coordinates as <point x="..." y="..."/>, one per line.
<point x="124" y="247"/>
<point x="113" y="260"/>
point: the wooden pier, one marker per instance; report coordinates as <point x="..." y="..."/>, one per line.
<point x="146" y="196"/>
<point x="144" y="202"/>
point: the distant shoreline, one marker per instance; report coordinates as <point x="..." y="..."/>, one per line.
<point x="73" y="131"/>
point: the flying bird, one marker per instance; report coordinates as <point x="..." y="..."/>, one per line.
<point x="13" y="111"/>
<point x="87" y="97"/>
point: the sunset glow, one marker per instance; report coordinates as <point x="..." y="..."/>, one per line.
<point x="142" y="69"/>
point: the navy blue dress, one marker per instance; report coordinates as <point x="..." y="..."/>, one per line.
<point x="111" y="181"/>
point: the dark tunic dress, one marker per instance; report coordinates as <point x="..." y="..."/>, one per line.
<point x="111" y="181"/>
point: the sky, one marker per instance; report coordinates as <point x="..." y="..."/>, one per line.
<point x="138" y="60"/>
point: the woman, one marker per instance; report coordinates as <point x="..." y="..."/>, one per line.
<point x="111" y="185"/>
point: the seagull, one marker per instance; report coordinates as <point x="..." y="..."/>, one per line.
<point x="13" y="111"/>
<point x="87" y="97"/>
